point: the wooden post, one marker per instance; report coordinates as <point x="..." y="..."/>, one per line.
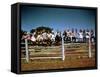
<point x="26" y="49"/>
<point x="63" y="54"/>
<point x="90" y="53"/>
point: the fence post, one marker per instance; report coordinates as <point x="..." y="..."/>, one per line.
<point x="26" y="49"/>
<point x="63" y="54"/>
<point x="90" y="54"/>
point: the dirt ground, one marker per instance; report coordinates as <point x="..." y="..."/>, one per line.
<point x="76" y="55"/>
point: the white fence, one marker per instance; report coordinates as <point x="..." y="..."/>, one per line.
<point x="62" y="52"/>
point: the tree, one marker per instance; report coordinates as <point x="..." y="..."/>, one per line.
<point x="41" y="29"/>
<point x="32" y="31"/>
<point x="46" y="29"/>
<point x="23" y="32"/>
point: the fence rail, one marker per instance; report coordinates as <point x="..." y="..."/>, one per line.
<point x="27" y="51"/>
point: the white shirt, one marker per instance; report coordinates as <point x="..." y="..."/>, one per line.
<point x="80" y="35"/>
<point x="33" y="38"/>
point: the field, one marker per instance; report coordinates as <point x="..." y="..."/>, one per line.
<point x="42" y="58"/>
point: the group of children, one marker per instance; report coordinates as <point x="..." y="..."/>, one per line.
<point x="79" y="36"/>
<point x="55" y="37"/>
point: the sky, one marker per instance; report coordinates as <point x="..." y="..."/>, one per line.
<point x="57" y="18"/>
